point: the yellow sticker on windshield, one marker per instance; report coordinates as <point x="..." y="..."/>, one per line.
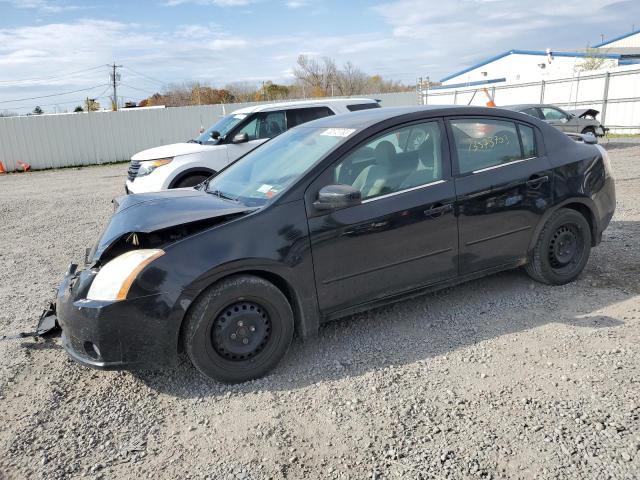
<point x="338" y="132"/>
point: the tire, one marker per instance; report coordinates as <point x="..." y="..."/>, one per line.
<point x="191" y="180"/>
<point x="562" y="249"/>
<point x="238" y="329"/>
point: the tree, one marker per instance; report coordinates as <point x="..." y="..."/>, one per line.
<point x="38" y="111"/>
<point x="593" y="60"/>
<point x="318" y="75"/>
<point x="91" y="105"/>
<point x="78" y="109"/>
<point x="351" y="80"/>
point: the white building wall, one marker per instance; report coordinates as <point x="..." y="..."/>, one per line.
<point x="518" y="67"/>
<point x="632" y="41"/>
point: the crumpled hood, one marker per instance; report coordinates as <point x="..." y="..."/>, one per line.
<point x="171" y="150"/>
<point x="150" y="212"/>
<point x="584" y="112"/>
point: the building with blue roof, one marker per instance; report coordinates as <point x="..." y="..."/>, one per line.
<point x="520" y="66"/>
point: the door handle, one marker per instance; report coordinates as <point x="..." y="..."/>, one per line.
<point x="535" y="182"/>
<point x="438" y="210"/>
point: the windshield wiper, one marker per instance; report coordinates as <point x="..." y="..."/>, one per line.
<point x="193" y="140"/>
<point x="220" y="194"/>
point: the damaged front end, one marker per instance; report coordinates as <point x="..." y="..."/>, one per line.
<point x="109" y="319"/>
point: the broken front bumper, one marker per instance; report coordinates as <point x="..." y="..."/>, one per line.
<point x="113" y="335"/>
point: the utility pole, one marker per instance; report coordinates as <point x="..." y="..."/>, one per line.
<point x="114" y="78"/>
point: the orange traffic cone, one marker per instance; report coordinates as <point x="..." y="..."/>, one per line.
<point x="2" y="169"/>
<point x="25" y="166"/>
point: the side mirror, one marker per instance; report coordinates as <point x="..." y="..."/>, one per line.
<point x="333" y="197"/>
<point x="215" y="134"/>
<point x="240" y="138"/>
<point x="589" y="138"/>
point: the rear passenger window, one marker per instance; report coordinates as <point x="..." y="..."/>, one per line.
<point x="484" y="143"/>
<point x="298" y="116"/>
<point x="528" y="141"/>
<point x="362" y="106"/>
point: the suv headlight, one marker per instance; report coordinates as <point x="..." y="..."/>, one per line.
<point x="115" y="278"/>
<point x="149" y="166"/>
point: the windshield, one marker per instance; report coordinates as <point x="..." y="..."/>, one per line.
<point x="222" y="126"/>
<point x="264" y="173"/>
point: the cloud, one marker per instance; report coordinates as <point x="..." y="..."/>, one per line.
<point x="219" y="3"/>
<point x="297" y="3"/>
<point x="44" y="6"/>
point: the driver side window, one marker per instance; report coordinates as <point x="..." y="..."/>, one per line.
<point x="264" y="125"/>
<point x="394" y="161"/>
<point x="553" y="114"/>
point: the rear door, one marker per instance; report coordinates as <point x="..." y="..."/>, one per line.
<point x="298" y="116"/>
<point x="503" y="186"/>
<point x="403" y="235"/>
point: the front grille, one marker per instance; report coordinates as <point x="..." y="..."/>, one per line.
<point x="134" y="166"/>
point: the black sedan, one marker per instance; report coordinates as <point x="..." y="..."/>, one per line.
<point x="334" y="217"/>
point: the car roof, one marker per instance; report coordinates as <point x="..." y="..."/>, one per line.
<point x="527" y="105"/>
<point x="304" y="103"/>
<point x="365" y="118"/>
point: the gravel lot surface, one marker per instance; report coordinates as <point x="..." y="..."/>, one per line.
<point x="497" y="378"/>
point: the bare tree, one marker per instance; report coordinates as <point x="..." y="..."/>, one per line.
<point x="351" y="80"/>
<point x="318" y="75"/>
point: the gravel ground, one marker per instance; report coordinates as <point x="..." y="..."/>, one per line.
<point x="498" y="378"/>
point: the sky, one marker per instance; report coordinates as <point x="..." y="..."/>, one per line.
<point x="50" y="47"/>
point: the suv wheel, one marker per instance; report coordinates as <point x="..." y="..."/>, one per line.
<point x="238" y="329"/>
<point x="562" y="249"/>
<point x="191" y="180"/>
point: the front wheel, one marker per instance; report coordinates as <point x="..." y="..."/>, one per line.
<point x="238" y="329"/>
<point x="562" y="249"/>
<point x="191" y="181"/>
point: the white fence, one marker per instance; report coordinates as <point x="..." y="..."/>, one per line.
<point x="616" y="94"/>
<point x="53" y="141"/>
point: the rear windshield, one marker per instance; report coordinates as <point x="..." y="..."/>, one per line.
<point x="362" y="106"/>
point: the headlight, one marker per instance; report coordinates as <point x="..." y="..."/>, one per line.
<point x="114" y="279"/>
<point x="149" y="166"/>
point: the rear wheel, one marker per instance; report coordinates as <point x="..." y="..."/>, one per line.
<point x="562" y="249"/>
<point x="238" y="329"/>
<point x="191" y="180"/>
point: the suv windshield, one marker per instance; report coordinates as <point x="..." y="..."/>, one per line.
<point x="263" y="174"/>
<point x="222" y="126"/>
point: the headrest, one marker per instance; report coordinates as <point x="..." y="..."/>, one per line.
<point x="384" y="153"/>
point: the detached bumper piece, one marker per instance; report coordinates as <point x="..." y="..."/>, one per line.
<point x="47" y="326"/>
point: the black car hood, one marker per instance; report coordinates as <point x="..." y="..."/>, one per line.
<point x="151" y="212"/>
<point x="584" y="112"/>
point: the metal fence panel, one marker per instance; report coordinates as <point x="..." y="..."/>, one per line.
<point x="616" y="94"/>
<point x="53" y="141"/>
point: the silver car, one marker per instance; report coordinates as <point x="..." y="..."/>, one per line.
<point x="572" y="121"/>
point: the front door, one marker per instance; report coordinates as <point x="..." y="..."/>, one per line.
<point x="404" y="233"/>
<point x="259" y="128"/>
<point x="503" y="185"/>
<point x="558" y="119"/>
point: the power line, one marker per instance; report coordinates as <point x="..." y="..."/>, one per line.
<point x="136" y="88"/>
<point x="26" y="80"/>
<point x="51" y="95"/>
<point x="146" y="76"/>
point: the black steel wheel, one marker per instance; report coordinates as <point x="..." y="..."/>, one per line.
<point x="238" y="329"/>
<point x="241" y="331"/>
<point x="562" y="249"/>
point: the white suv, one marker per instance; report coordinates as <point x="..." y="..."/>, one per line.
<point x="187" y="164"/>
